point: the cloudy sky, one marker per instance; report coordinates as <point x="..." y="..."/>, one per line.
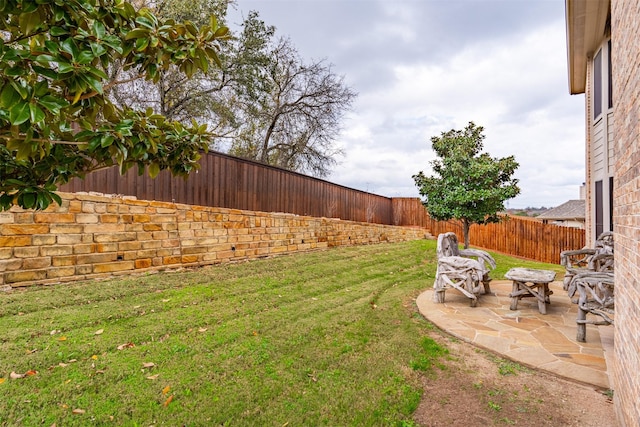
<point x="422" y="67"/>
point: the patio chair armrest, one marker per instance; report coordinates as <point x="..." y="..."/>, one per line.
<point x="480" y="254"/>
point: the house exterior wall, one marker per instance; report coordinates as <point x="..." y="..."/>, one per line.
<point x="600" y="148"/>
<point x="568" y="223"/>
<point x="625" y="15"/>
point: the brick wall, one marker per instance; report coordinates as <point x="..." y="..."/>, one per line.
<point x="625" y="15"/>
<point x="96" y="236"/>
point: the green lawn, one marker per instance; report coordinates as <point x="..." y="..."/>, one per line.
<point x="322" y="338"/>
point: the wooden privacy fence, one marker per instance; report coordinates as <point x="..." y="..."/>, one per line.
<point x="229" y="182"/>
<point x="525" y="237"/>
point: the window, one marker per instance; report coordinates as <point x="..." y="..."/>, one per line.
<point x="599" y="209"/>
<point x="597" y="84"/>
<point x="609" y="76"/>
<point x="610" y="203"/>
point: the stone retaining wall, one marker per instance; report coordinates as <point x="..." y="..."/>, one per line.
<point x="93" y="236"/>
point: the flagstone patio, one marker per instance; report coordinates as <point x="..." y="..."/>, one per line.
<point x="540" y="341"/>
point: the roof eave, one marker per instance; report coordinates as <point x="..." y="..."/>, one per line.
<point x="585" y="21"/>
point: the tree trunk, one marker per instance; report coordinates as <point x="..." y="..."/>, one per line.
<point x="465" y="231"/>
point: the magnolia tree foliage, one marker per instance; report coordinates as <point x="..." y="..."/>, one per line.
<point x="468" y="185"/>
<point x="56" y="122"/>
<point x="200" y="97"/>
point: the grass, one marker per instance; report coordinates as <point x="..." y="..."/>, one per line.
<point x="321" y="338"/>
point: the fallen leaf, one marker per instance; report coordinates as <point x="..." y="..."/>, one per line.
<point x="31" y="372"/>
<point x="98" y="332"/>
<point x="202" y="329"/>
<point x="99" y="371"/>
<point x="15" y="376"/>
<point x="94" y="357"/>
<point x="166" y="389"/>
<point x="255" y="333"/>
<point x="64" y="406"/>
<point x="148" y="365"/>
<point x="63" y="365"/>
<point x="53" y="332"/>
<point x="73" y="360"/>
<point x="78" y="411"/>
<point x="166" y="300"/>
<point x="166" y="402"/>
<point x="20" y="313"/>
<point x="2" y="380"/>
<point x="137" y="306"/>
<point x="126" y="345"/>
<point x="27" y="351"/>
<point x="67" y="381"/>
<point x="153" y="377"/>
<point x="62" y="338"/>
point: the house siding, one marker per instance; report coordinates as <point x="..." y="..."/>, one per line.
<point x="598" y="150"/>
<point x="626" y="88"/>
<point x="610" y="149"/>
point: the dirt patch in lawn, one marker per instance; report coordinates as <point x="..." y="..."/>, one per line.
<point x="475" y="388"/>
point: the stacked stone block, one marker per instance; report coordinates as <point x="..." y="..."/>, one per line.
<point x="92" y="236"/>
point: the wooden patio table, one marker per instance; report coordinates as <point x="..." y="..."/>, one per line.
<point x="528" y="282"/>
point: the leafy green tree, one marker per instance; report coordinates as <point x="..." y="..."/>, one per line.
<point x="468" y="185"/>
<point x="56" y="121"/>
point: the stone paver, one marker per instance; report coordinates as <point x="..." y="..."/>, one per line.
<point x="539" y="341"/>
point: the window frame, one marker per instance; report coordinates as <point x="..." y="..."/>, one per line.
<point x="597" y="84"/>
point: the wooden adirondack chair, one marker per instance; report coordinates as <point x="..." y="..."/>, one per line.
<point x="463" y="269"/>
